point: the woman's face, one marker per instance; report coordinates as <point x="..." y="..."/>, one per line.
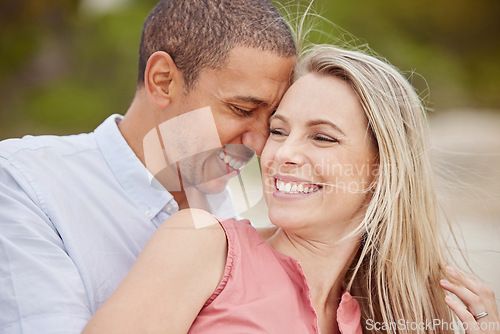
<point x="319" y="161"/>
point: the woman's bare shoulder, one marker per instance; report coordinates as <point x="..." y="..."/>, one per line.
<point x="183" y="262"/>
<point x="192" y="229"/>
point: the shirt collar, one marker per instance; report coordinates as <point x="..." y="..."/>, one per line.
<point x="130" y="172"/>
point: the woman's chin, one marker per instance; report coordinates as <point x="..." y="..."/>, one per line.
<point x="281" y="218"/>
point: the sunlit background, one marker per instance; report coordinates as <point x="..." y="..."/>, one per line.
<point x="66" y="65"/>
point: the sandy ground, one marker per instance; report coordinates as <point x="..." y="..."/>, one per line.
<point x="466" y="154"/>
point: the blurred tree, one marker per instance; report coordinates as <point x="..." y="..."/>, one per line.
<point x="33" y="39"/>
<point x="453" y="44"/>
<point x="64" y="68"/>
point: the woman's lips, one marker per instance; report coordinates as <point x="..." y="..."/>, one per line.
<point x="289" y="185"/>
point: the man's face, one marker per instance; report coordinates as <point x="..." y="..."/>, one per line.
<point x="241" y="98"/>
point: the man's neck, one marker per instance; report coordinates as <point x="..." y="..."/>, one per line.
<point x="191" y="198"/>
<point x="136" y="124"/>
<point x="181" y="199"/>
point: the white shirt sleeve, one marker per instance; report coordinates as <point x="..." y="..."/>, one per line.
<point x="41" y="290"/>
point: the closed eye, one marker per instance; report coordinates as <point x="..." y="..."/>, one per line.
<point x="277" y="132"/>
<point x="324" y="138"/>
<point x="241" y="111"/>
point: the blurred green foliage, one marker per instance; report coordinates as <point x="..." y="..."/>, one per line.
<point x="65" y="68"/>
<point x="453" y="44"/>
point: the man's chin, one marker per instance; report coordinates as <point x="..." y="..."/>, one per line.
<point x="213" y="186"/>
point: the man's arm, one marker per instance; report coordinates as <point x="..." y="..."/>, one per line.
<point x="173" y="277"/>
<point x="41" y="290"/>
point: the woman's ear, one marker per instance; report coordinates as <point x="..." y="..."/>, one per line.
<point x="161" y="79"/>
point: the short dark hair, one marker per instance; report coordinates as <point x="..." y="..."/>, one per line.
<point x="199" y="34"/>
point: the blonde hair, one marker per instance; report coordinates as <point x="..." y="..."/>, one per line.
<point x="401" y="259"/>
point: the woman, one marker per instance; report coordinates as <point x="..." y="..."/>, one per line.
<point x="349" y="188"/>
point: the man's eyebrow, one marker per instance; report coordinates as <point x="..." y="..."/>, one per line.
<point x="252" y="100"/>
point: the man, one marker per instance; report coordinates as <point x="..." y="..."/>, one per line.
<point x="76" y="211"/>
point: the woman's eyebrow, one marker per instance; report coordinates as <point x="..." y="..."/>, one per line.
<point x="311" y="123"/>
<point x="325" y="122"/>
<point x="276" y="116"/>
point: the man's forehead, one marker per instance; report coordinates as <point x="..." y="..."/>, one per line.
<point x="251" y="76"/>
<point x="264" y="62"/>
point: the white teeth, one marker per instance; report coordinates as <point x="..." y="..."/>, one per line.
<point x="293" y="188"/>
<point x="232" y="162"/>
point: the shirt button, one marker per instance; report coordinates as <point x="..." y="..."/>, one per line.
<point x="149" y="213"/>
<point x="169" y="208"/>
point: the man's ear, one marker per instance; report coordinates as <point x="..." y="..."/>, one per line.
<point x="162" y="79"/>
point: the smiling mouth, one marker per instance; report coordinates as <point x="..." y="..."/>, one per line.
<point x="230" y="160"/>
<point x="296" y="187"/>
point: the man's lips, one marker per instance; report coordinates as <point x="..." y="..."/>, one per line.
<point x="232" y="161"/>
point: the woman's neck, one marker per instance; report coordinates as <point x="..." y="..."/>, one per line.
<point x="324" y="262"/>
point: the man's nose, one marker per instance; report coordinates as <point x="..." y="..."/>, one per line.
<point x="255" y="137"/>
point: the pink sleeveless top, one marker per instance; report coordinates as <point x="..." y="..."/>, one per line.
<point x="264" y="291"/>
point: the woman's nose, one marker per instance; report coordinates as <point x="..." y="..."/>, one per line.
<point x="290" y="153"/>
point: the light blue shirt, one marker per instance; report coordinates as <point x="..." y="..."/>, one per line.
<point x="75" y="212"/>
